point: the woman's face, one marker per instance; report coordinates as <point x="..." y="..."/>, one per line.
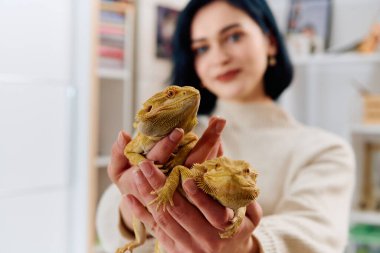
<point x="231" y="52"/>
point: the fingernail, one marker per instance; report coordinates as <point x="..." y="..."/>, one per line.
<point x="220" y="125"/>
<point x="146" y="168"/>
<point x="175" y="135"/>
<point x="121" y="140"/>
<point x="190" y="187"/>
<point x="212" y="120"/>
<point x="138" y="176"/>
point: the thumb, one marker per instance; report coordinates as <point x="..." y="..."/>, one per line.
<point x="119" y="163"/>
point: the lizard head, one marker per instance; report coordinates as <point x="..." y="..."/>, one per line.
<point x="231" y="182"/>
<point x="174" y="107"/>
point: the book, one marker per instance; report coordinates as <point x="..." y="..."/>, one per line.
<point x="111" y="52"/>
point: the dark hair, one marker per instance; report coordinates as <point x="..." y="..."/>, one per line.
<point x="276" y="79"/>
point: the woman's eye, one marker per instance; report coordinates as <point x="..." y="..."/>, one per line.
<point x="200" y="50"/>
<point x="234" y="37"/>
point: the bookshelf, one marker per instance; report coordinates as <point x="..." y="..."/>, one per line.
<point x="115" y="73"/>
<point x="331" y="58"/>
<point x="366" y="130"/>
<point x="116" y="78"/>
<point x="365" y="216"/>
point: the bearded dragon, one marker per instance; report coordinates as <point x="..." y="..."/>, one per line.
<point x="174" y="107"/>
<point x="231" y="182"/>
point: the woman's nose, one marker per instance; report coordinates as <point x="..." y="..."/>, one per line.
<point x="221" y="56"/>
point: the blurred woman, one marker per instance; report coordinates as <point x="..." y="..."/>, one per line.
<point x="234" y="54"/>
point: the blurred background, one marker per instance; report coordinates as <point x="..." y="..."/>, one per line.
<point x="73" y="73"/>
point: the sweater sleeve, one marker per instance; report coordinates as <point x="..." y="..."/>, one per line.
<point x="111" y="232"/>
<point x="313" y="214"/>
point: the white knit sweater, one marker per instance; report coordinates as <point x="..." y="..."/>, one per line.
<point x="306" y="179"/>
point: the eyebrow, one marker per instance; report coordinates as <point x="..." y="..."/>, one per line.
<point x="223" y="30"/>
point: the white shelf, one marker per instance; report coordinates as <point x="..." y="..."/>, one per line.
<point x="102" y="161"/>
<point x="118" y="74"/>
<point x="346" y="58"/>
<point x="365" y="217"/>
<point x="368" y="130"/>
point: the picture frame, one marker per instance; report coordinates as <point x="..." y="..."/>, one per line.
<point x="308" y="29"/>
<point x="166" y="23"/>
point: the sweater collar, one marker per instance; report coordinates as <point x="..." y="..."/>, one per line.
<point x="257" y="115"/>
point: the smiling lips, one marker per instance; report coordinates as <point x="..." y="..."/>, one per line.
<point x="228" y="76"/>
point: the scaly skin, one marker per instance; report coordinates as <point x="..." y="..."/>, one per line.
<point x="231" y="182"/>
<point x="174" y="107"/>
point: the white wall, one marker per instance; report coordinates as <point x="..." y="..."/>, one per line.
<point x="280" y="9"/>
<point x="42" y="90"/>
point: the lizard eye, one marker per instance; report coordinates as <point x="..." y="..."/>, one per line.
<point x="246" y="170"/>
<point x="170" y="93"/>
<point x="149" y="108"/>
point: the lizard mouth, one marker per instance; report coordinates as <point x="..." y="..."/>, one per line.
<point x="250" y="187"/>
<point x="249" y="194"/>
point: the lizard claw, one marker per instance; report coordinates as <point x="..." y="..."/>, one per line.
<point x="160" y="166"/>
<point x="232" y="229"/>
<point x="128" y="247"/>
<point x="229" y="231"/>
<point x="161" y="200"/>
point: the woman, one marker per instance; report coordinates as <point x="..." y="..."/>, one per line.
<point x="232" y="51"/>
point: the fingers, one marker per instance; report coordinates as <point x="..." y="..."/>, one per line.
<point x="126" y="213"/>
<point x="184" y="213"/>
<point x="162" y="151"/>
<point x="254" y="213"/>
<point x="119" y="163"/>
<point x="127" y="184"/>
<point x="217" y="215"/>
<point x="216" y="151"/>
<point x="220" y="151"/>
<point x="251" y="220"/>
<point x="183" y="224"/>
<point x="163" y="219"/>
<point x="207" y="142"/>
<point x="117" y="169"/>
<point x="145" y="217"/>
<point x="155" y="178"/>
